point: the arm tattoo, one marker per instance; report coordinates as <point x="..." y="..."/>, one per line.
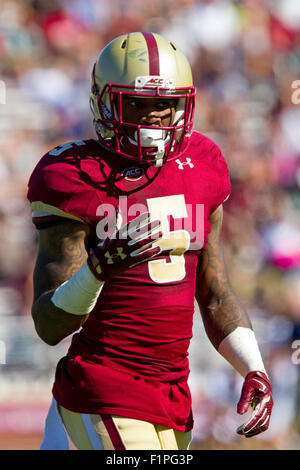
<point x="220" y="308"/>
<point x="62" y="253"/>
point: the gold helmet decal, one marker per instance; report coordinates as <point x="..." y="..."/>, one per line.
<point x="142" y="64"/>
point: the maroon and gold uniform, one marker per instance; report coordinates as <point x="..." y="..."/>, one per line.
<point x="130" y="358"/>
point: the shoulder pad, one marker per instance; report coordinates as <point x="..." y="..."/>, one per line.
<point x="55" y="187"/>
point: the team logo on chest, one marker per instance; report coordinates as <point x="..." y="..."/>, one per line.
<point x="187" y="162"/>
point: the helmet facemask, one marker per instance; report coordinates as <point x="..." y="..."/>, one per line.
<point x="147" y="144"/>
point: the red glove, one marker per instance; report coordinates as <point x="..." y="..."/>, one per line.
<point x="130" y="245"/>
<point x="256" y="392"/>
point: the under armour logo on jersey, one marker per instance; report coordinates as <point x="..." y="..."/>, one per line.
<point x="110" y="258"/>
<point x="187" y="162"/>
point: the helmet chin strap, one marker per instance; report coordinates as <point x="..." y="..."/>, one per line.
<point x="152" y="138"/>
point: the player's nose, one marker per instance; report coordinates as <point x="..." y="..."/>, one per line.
<point x="151" y="118"/>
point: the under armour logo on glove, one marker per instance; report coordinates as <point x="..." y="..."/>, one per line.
<point x="187" y="162"/>
<point x="110" y="257"/>
<point x="256" y="392"/>
<point x="130" y="245"/>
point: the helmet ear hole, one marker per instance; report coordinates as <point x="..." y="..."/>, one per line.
<point x="173" y="46"/>
<point x="123" y="45"/>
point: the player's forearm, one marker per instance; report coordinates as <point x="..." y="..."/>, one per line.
<point x="229" y="329"/>
<point x="222" y="315"/>
<point x="59" y="312"/>
<point x="53" y="324"/>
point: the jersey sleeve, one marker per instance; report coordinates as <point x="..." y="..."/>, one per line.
<point x="219" y="176"/>
<point x="224" y="179"/>
<point x="55" y="190"/>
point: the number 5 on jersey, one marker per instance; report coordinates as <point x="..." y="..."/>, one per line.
<point x="178" y="241"/>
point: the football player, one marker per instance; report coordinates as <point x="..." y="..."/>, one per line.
<point x="129" y="234"/>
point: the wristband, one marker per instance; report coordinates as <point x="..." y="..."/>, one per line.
<point x="241" y="350"/>
<point x="79" y="294"/>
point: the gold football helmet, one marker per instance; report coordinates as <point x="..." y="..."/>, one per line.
<point x="145" y="65"/>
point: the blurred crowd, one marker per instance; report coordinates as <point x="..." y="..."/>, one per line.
<point x="245" y="56"/>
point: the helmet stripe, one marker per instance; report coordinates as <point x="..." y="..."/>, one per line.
<point x="153" y="54"/>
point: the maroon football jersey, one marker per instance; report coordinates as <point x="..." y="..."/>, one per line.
<point x="130" y="358"/>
